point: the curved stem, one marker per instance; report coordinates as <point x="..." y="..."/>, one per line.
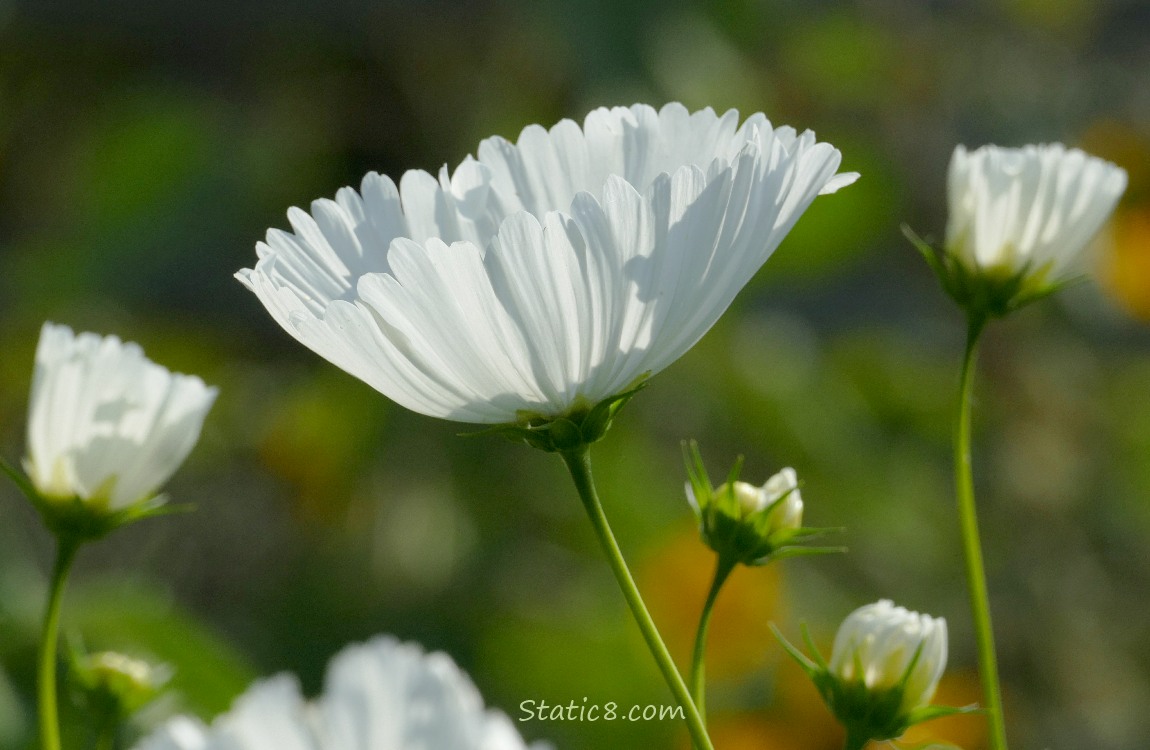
<point x="578" y="463"/>
<point x="698" y="669"/>
<point x="49" y="713"/>
<point x="972" y="546"/>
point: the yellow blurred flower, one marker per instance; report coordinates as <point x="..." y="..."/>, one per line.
<point x="1126" y="271"/>
<point x="674" y="581"/>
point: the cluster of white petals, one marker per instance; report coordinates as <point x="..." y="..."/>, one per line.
<point x="877" y="644"/>
<point x="380" y="695"/>
<point x="1032" y="209"/>
<point x="547" y="274"/>
<point x="788" y="514"/>
<point x="106" y="425"/>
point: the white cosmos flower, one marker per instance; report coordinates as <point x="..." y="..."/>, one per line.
<point x="549" y="274"/>
<point x="380" y="695"/>
<point x="107" y="426"/>
<point x="1032" y="209"/>
<point x="877" y="643"/>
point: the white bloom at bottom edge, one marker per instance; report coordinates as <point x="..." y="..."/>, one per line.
<point x="105" y="424"/>
<point x="379" y="695"/>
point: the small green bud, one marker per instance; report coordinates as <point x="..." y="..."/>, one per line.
<point x="744" y="523"/>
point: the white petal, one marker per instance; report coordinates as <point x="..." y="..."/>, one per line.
<point x="380" y="695"/>
<point x="1035" y="208"/>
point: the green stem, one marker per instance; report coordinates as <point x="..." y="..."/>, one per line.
<point x="578" y="463"/>
<point x="106" y="736"/>
<point x="49" y="714"/>
<point x="698" y="668"/>
<point x="975" y="571"/>
<point x="855" y="742"/>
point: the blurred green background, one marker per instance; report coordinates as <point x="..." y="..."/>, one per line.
<point x="145" y="147"/>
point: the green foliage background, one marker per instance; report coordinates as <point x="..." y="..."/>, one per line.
<point x="145" y="147"/>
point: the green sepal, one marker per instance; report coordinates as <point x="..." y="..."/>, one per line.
<point x="22" y="482"/>
<point x="808" y="666"/>
<point x="984" y="295"/>
<point x="696" y="476"/>
<point x="597" y="421"/>
<point x="565" y="435"/>
<point x="930" y="713"/>
<point x="79" y="520"/>
<point x="580" y="426"/>
<point x="783" y="553"/>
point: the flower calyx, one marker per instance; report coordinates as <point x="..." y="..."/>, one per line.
<point x="80" y="520"/>
<point x="987" y="293"/>
<point x="572" y="431"/>
<point x="747" y="524"/>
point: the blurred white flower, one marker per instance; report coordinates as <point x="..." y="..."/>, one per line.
<point x="107" y="426"/>
<point x="117" y="683"/>
<point x="547" y="275"/>
<point x="1030" y="210"/>
<point x="887" y="648"/>
<point x="380" y="695"/>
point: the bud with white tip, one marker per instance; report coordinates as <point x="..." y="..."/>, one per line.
<point x="884" y="669"/>
<point x="748" y="524"/>
<point x="885" y="646"/>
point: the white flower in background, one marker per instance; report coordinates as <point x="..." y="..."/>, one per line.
<point x="1032" y="209"/>
<point x="106" y="426"/>
<point x="547" y="275"/>
<point x="381" y="695"/>
<point x="1020" y="221"/>
<point x="887" y="647"/>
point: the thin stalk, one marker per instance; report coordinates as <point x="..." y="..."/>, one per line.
<point x="723" y="569"/>
<point x="578" y="463"/>
<point x="106" y="736"/>
<point x="49" y="713"/>
<point x="972" y="546"/>
<point x="855" y="742"/>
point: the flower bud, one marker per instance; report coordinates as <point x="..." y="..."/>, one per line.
<point x="782" y="486"/>
<point x="884" y="668"/>
<point x="744" y="523"/>
<point x="890" y="648"/>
